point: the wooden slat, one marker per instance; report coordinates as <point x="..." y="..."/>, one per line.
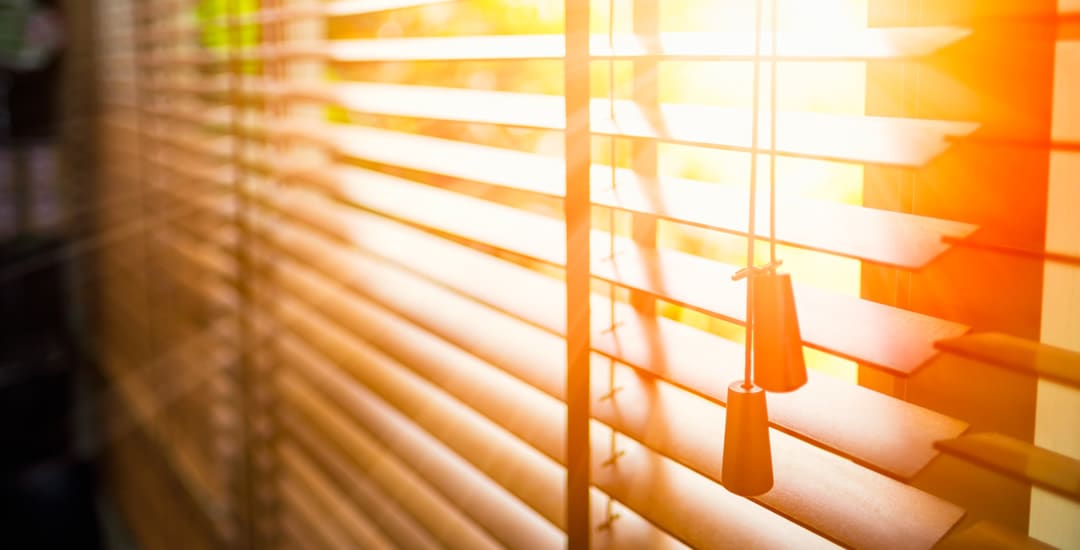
<point x="802" y="472"/>
<point x="295" y="535"/>
<point x="220" y="175"/>
<point x="1018" y="354"/>
<point x="218" y="298"/>
<point x="444" y="521"/>
<point x="866" y="139"/>
<point x="316" y="525"/>
<point x="986" y="535"/>
<point x="318" y="10"/>
<point x="886" y="434"/>
<point x="381" y="507"/>
<point x="122" y="82"/>
<point x="207" y="259"/>
<point x="174" y="60"/>
<point x="360" y="531"/>
<point x="894" y="340"/>
<point x="210" y="87"/>
<point x="889" y="238"/>
<point x="169" y="33"/>
<point x="191" y="143"/>
<point x="1063" y="258"/>
<point x="632" y="533"/>
<point x="1019" y="460"/>
<point x="524" y="474"/>
<point x="342" y="8"/>
<point x="726" y="522"/>
<point x="195" y="114"/>
<point x="878" y="43"/>
<point x="199" y="483"/>
<point x="891" y="339"/>
<point x="507" y="519"/>
<point x="458" y="306"/>
<point x="395" y="386"/>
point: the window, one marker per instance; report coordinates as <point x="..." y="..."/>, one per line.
<point x="401" y="281"/>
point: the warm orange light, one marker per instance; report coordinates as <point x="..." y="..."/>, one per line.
<point x="827" y="87"/>
<point x="833" y="87"/>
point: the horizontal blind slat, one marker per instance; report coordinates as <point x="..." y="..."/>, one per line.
<point x="1019" y="460"/>
<point x="1018" y="354"/>
<point x="294" y="534"/>
<point x="489" y="505"/>
<point x="361" y="488"/>
<point x="354" y="524"/>
<point x="801" y="471"/>
<point x="429" y="356"/>
<point x="866" y="139"/>
<point x="426" y="505"/>
<point x="885" y="433"/>
<point x="885" y="237"/>
<point x="316" y="525"/>
<point x="318" y="10"/>
<point x="877" y="44"/>
<point x="731" y="529"/>
<point x="343" y="362"/>
<point x="892" y="339"/>
<point x="888" y="141"/>
<point x="359" y="7"/>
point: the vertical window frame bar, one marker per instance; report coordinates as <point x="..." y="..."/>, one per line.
<point x="578" y="211"/>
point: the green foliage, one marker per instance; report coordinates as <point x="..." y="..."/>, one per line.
<point x="211" y="15"/>
<point x="13" y="14"/>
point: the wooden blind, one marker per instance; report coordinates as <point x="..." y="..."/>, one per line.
<point x="366" y="287"/>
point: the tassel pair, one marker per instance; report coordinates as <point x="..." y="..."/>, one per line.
<point x="778" y="367"/>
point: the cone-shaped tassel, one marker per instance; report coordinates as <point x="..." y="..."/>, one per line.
<point x="747" y="467"/>
<point x="778" y="355"/>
